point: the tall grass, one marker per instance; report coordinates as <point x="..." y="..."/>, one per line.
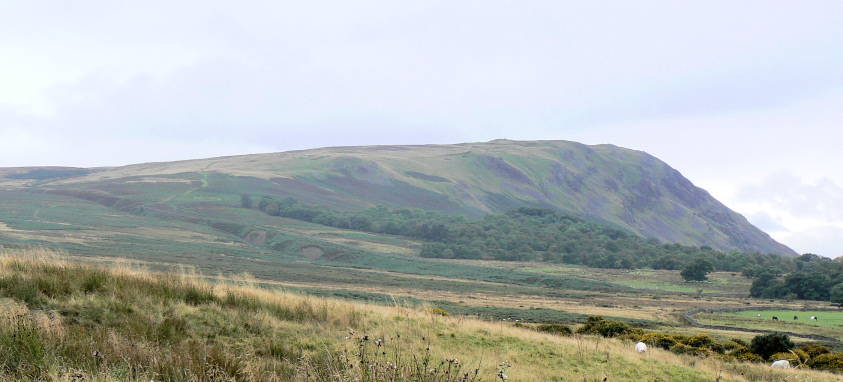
<point x="62" y="320"/>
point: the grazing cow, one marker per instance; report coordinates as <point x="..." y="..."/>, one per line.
<point x="641" y="347"/>
<point x="795" y="318"/>
<point x="813" y="318"/>
<point x="781" y="364"/>
<point x="775" y="318"/>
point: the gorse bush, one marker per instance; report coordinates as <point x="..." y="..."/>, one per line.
<point x="681" y="348"/>
<point x="743" y="354"/>
<point x="828" y="361"/>
<point x="658" y="340"/>
<point x="813" y="350"/>
<point x="557" y="329"/>
<point x="793" y="358"/>
<point x="608" y="328"/>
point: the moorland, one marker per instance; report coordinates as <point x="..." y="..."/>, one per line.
<point x="264" y="264"/>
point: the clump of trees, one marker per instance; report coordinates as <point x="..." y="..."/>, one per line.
<point x="540" y="234"/>
<point x="524" y="234"/>
<point x="814" y="278"/>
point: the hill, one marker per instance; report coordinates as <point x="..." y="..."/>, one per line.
<point x="605" y="183"/>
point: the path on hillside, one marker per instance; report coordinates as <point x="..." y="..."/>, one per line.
<point x="204" y="184"/>
<point x="689" y="316"/>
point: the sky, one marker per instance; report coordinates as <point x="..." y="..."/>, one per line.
<point x="744" y="98"/>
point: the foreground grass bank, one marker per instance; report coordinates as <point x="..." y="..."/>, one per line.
<point x="67" y="321"/>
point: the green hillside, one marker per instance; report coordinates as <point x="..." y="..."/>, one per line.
<point x="626" y="188"/>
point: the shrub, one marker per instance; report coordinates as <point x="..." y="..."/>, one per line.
<point x="814" y="350"/>
<point x="739" y="341"/>
<point x="557" y="329"/>
<point x="439" y="312"/>
<point x="607" y="328"/>
<point x="828" y="362"/>
<point x="658" y="340"/>
<point x="803" y="357"/>
<point x="742" y="354"/>
<point x="633" y="336"/>
<point x="700" y="341"/>
<point x="768" y="344"/>
<point x="731" y="345"/>
<point x="706" y="342"/>
<point x="784" y="355"/>
<point x="717" y="348"/>
<point x="681" y="348"/>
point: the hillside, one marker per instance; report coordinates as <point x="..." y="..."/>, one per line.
<point x="605" y="183"/>
<point x="71" y="321"/>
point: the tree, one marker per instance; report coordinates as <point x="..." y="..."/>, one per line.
<point x="246" y="201"/>
<point x="768" y="344"/>
<point x="763" y="283"/>
<point x="808" y="286"/>
<point x="697" y="270"/>
<point x="837" y="294"/>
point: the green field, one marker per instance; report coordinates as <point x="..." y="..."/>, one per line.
<point x="824" y="318"/>
<point x="729" y="283"/>
<point x="829" y="323"/>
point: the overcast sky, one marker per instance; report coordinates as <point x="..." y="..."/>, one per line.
<point x="745" y="98"/>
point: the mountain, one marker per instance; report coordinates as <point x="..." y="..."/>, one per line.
<point x="622" y="187"/>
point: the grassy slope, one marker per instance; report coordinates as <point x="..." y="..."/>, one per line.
<point x="374" y="265"/>
<point x="64" y="320"/>
<point x="624" y="187"/>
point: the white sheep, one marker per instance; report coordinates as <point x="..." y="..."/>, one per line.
<point x="781" y="364"/>
<point x="641" y="347"/>
<point x="813" y="318"/>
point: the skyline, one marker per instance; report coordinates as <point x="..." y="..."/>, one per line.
<point x="745" y="100"/>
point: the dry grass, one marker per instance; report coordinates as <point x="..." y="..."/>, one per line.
<point x="66" y="321"/>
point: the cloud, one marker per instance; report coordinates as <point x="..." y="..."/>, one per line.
<point x="281" y="75"/>
<point x="789" y="194"/>
<point x="805" y="215"/>
<point x="822" y="240"/>
<point x="766" y="222"/>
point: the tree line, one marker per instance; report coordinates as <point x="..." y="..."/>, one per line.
<point x="540" y="234"/>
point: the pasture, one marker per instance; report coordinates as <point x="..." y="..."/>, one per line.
<point x="829" y="323"/>
<point x="648" y="280"/>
